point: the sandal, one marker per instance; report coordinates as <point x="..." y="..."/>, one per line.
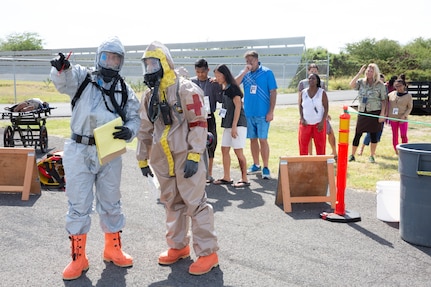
<point x="241" y="184"/>
<point x="222" y="181"/>
<point x="210" y="179"/>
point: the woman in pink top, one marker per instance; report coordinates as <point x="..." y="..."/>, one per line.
<point x="400" y="106"/>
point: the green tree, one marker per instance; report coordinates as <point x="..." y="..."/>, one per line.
<point x="421" y="50"/>
<point x="392" y="58"/>
<point x="416" y="62"/>
<point x="21" y="42"/>
<point x="371" y="51"/>
<point x="341" y="65"/>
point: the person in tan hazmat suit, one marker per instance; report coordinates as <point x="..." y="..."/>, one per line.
<point x="173" y="135"/>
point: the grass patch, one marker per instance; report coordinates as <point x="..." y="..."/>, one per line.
<point x="339" y="84"/>
<point x="26" y="90"/>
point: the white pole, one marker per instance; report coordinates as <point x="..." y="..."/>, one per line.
<point x="14" y="81"/>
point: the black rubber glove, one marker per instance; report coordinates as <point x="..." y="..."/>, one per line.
<point x="60" y="62"/>
<point x="146" y="171"/>
<point x="124" y="133"/>
<point x="190" y="169"/>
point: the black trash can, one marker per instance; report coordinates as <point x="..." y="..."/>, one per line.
<point x="414" y="165"/>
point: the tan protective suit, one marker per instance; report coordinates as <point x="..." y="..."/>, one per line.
<point x="167" y="146"/>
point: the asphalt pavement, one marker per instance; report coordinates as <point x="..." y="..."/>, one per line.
<point x="260" y="244"/>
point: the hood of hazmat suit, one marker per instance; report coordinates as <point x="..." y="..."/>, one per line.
<point x="110" y="58"/>
<point x="159" y="51"/>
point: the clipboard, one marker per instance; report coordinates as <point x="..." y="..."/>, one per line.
<point x="107" y="147"/>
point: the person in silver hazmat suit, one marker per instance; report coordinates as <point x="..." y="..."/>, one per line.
<point x="103" y="97"/>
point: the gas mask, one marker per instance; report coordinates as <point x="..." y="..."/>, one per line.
<point x="153" y="72"/>
<point x="109" y="65"/>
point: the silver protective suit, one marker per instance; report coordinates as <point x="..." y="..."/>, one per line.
<point x="167" y="147"/>
<point x="81" y="164"/>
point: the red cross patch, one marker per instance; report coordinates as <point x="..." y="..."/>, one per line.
<point x="197" y="105"/>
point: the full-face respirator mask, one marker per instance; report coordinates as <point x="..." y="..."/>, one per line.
<point x="153" y="74"/>
<point x="109" y="65"/>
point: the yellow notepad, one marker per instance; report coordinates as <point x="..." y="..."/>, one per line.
<point x="109" y="148"/>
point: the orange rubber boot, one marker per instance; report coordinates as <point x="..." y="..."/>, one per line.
<point x="113" y="252"/>
<point x="173" y="255"/>
<point x="79" y="262"/>
<point x="204" y="264"/>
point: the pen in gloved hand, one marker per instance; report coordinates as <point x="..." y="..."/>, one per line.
<point x="67" y="58"/>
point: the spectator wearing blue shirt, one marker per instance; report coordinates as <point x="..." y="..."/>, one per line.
<point x="260" y="95"/>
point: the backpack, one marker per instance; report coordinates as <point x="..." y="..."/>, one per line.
<point x="51" y="172"/>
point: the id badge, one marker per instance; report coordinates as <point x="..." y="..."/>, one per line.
<point x="222" y="113"/>
<point x="253" y="89"/>
<point x="207" y="104"/>
<point x="364" y="100"/>
<point x="395" y="111"/>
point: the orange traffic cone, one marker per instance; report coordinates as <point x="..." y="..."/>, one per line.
<point x="113" y="252"/>
<point x="79" y="262"/>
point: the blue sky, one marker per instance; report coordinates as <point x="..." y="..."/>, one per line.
<point x="330" y="24"/>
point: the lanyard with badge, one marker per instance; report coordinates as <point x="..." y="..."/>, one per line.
<point x="253" y="86"/>
<point x="223" y="110"/>
<point x="395" y="109"/>
<point x="203" y="86"/>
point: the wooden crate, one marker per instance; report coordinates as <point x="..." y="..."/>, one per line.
<point x="18" y="171"/>
<point x="308" y="178"/>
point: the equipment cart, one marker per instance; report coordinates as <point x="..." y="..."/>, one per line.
<point x="27" y="129"/>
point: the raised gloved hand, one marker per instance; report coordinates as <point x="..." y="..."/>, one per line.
<point x="191" y="166"/>
<point x="145" y="168"/>
<point x="60" y="62"/>
<point x="124" y="133"/>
